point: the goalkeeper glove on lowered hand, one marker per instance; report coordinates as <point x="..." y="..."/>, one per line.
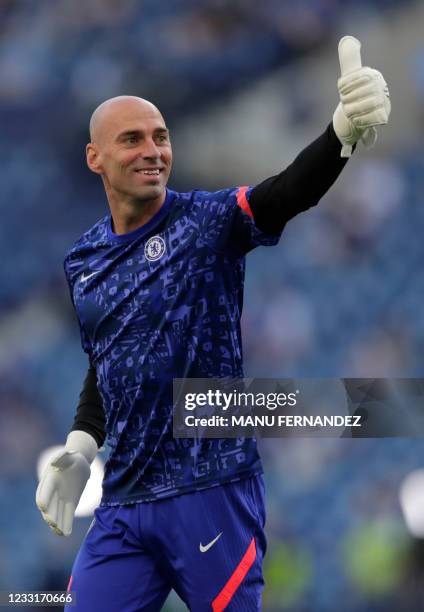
<point x="63" y="482"/>
<point x="364" y="99"/>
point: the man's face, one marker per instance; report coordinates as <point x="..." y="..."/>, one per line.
<point x="132" y="152"/>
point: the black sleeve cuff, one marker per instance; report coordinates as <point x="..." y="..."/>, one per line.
<point x="90" y="414"/>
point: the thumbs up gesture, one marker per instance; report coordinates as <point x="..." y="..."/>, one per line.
<point x="364" y="99"/>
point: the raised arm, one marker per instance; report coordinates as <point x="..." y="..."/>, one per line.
<point x="364" y="104"/>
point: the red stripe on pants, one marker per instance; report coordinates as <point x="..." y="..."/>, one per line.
<point x="225" y="596"/>
<point x="69" y="584"/>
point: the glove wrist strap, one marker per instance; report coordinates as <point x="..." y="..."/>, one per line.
<point x="81" y="442"/>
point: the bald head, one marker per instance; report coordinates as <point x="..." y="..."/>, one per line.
<point x="131" y="150"/>
<point x="114" y="110"/>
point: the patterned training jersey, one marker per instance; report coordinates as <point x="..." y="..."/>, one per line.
<point x="161" y="302"/>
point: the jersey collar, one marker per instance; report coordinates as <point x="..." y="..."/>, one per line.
<point x="147" y="227"/>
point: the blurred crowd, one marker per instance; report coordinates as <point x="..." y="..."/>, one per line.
<point x="338" y="297"/>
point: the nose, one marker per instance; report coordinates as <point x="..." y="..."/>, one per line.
<point x="149" y="150"/>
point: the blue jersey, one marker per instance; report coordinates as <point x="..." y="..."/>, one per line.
<point x="158" y="303"/>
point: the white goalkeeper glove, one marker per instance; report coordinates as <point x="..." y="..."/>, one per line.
<point x="364" y="99"/>
<point x="63" y="482"/>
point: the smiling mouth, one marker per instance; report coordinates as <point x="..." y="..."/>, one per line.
<point x="152" y="172"/>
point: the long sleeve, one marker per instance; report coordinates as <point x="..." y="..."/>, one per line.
<point x="90" y="414"/>
<point x="300" y="186"/>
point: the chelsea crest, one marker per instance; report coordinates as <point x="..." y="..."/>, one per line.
<point x="154" y="248"/>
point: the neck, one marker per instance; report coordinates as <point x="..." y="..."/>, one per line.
<point x="129" y="215"/>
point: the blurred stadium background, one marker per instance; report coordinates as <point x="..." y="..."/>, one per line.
<point x="243" y="85"/>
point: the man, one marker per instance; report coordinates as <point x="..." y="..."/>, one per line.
<point x="157" y="286"/>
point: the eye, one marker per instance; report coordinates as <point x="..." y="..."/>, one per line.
<point x="131" y="139"/>
<point x="162" y="138"/>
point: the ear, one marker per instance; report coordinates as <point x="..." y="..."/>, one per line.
<point x="93" y="158"/>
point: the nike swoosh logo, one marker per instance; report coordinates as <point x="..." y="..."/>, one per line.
<point x="204" y="549"/>
<point x="83" y="278"/>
